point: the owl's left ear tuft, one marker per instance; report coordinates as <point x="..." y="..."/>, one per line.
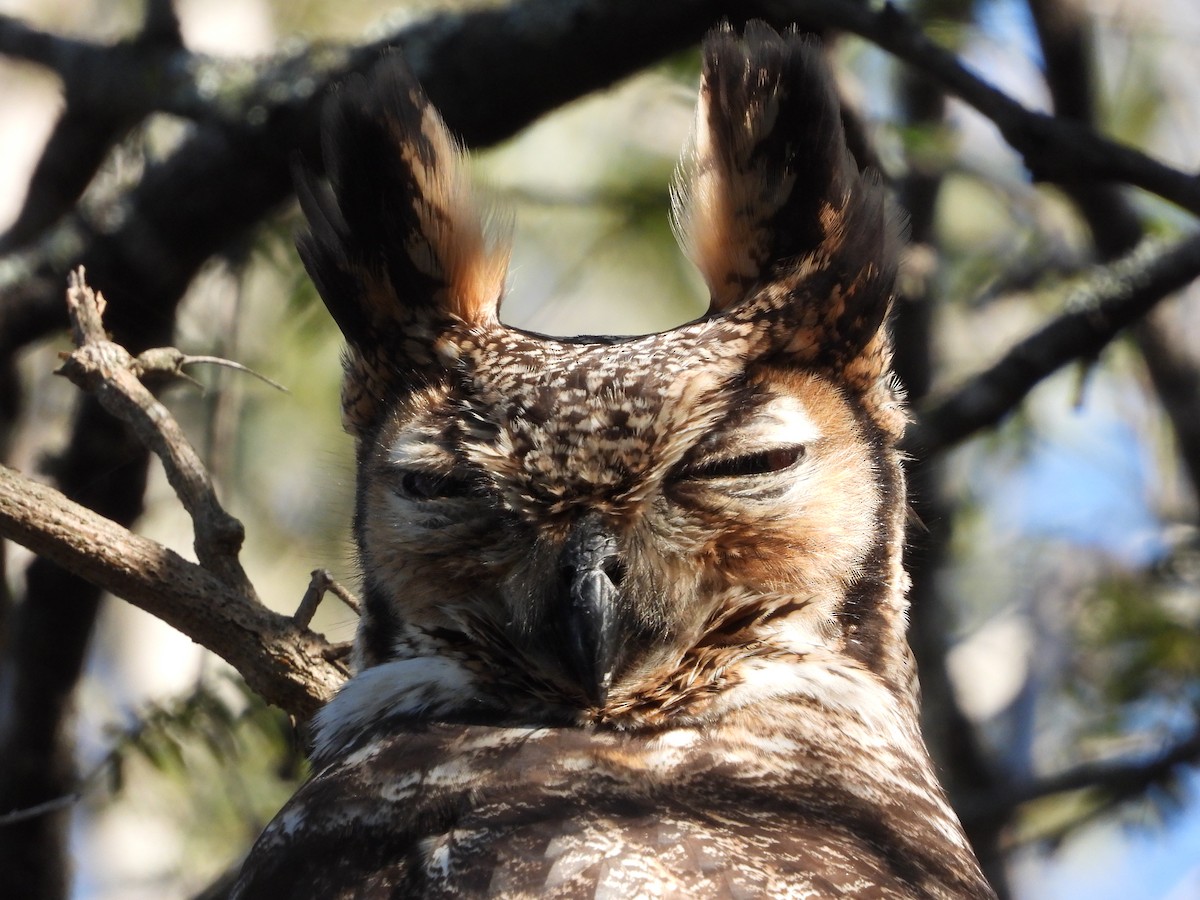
<point x="772" y="208"/>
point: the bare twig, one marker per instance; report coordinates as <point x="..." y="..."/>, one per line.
<point x="170" y="361"/>
<point x="213" y="602"/>
<point x="38" y="810"/>
<point x="108" y="371"/>
<point x="1111" y="300"/>
<point x="343" y="594"/>
<point x="320" y="583"/>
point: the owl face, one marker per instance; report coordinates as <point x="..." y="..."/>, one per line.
<point x="624" y="531"/>
<point x="732" y="505"/>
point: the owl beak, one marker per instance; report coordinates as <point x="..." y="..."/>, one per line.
<point x="590" y="570"/>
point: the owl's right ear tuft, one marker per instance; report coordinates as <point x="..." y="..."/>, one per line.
<point x="398" y="244"/>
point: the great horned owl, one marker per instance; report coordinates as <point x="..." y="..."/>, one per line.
<point x="635" y="607"/>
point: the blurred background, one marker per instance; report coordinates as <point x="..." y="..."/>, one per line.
<point x="1057" y="599"/>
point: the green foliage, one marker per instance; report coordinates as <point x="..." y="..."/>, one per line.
<point x="1139" y="637"/>
<point x="217" y="762"/>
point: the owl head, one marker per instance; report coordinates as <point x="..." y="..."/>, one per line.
<point x="621" y="531"/>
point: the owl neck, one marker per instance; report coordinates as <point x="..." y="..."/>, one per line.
<point x="702" y="690"/>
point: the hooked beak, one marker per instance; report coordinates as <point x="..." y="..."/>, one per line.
<point x="590" y="572"/>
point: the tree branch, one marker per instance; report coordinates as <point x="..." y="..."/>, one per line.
<point x="320" y="583"/>
<point x="490" y="70"/>
<point x="38" y="810"/>
<point x="535" y="55"/>
<point x="286" y="664"/>
<point x="1171" y="359"/>
<point x="108" y="371"/>
<point x="1115" y="780"/>
<point x="92" y="121"/>
<point x="1121" y="779"/>
<point x="213" y="602"/>
<point x="151" y="72"/>
<point x="1111" y="300"/>
<point x="1057" y="150"/>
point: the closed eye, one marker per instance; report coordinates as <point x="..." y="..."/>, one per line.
<point x="421" y="485"/>
<point x="763" y="462"/>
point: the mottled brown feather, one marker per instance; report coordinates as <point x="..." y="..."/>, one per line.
<point x="718" y="510"/>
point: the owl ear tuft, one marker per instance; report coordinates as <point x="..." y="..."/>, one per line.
<point x="772" y="208"/>
<point x="398" y="244"/>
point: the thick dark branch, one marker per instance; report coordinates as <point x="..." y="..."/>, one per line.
<point x="1056" y="150"/>
<point x="21" y="41"/>
<point x="491" y="71"/>
<point x="1114" y="298"/>
<point x="96" y="116"/>
<point x="283" y="662"/>
<point x="1118" y="779"/>
<point x="1114" y="781"/>
<point x="150" y="73"/>
<point x="1172" y="359"/>
<point x="535" y="55"/>
<point x="78" y="145"/>
<point x="160" y="23"/>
